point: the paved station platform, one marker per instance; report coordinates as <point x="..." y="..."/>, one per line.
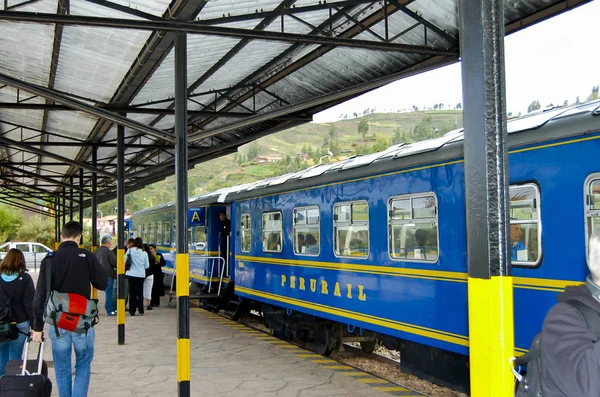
<point x="227" y="359"/>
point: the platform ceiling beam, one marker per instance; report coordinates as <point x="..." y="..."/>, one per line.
<point x="28" y="148"/>
<point x="195" y="28"/>
<point x="84" y="107"/>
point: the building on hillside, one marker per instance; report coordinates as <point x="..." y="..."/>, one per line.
<point x="302" y="156"/>
<point x="266" y="159"/>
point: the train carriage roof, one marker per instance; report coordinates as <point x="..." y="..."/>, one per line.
<point x="543" y="125"/>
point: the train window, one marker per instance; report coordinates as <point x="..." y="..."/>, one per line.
<point x="143" y="234"/>
<point x="592" y="213"/>
<point x="272" y="230"/>
<point x="307" y="231"/>
<point x="159" y="235"/>
<point x="246" y="228"/>
<point x="150" y="233"/>
<point x="351" y="229"/>
<point x="167" y="235"/>
<point x="525" y="227"/>
<point x="413" y="228"/>
<point x="174" y="239"/>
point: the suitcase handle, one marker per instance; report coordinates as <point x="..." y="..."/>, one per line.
<point x="40" y="356"/>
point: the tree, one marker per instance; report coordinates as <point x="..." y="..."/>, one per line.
<point x="459" y="106"/>
<point x="534" y="105"/>
<point x="397" y="137"/>
<point x="36" y="229"/>
<point x="381" y="144"/>
<point x="577" y="101"/>
<point x="253" y="151"/>
<point x="363" y="127"/>
<point x="10" y="222"/>
<point x="594" y="94"/>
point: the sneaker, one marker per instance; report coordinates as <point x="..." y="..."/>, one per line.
<point x="149" y="307"/>
<point x="110" y="314"/>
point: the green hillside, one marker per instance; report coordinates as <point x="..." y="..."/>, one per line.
<point x="379" y="131"/>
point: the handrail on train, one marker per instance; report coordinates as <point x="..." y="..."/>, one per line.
<point x="213" y="259"/>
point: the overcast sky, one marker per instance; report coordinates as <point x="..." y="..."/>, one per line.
<point x="552" y="61"/>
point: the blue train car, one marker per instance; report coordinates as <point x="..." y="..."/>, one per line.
<point x="157" y="225"/>
<point x="374" y="247"/>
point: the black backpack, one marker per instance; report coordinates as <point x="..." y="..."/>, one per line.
<point x="529" y="384"/>
<point x="8" y="325"/>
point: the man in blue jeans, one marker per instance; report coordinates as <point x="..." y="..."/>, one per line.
<point x="108" y="260"/>
<point x="72" y="271"/>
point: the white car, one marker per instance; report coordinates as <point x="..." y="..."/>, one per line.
<point x="33" y="252"/>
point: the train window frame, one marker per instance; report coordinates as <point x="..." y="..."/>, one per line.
<point x="589" y="212"/>
<point x="538" y="221"/>
<point x="306" y="227"/>
<point x="351" y="222"/>
<point x="247" y="216"/>
<point x="167" y="233"/>
<point x="408" y="218"/>
<point x="264" y="247"/>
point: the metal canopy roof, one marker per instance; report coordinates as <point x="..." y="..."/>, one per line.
<point x="71" y="69"/>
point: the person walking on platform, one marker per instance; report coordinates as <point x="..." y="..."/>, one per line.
<point x="136" y="275"/>
<point x="149" y="280"/>
<point x="16" y="302"/>
<point x="158" y="287"/>
<point x="108" y="260"/>
<point x="71" y="270"/>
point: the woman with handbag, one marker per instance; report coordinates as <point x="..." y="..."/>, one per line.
<point x="16" y="306"/>
<point x="136" y="275"/>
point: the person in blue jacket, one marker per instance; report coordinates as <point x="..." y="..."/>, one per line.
<point x="136" y="276"/>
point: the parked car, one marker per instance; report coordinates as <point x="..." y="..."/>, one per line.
<point x="33" y="252"/>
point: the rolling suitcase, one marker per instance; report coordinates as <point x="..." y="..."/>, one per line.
<point x="30" y="379"/>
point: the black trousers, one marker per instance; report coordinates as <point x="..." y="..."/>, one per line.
<point x="158" y="289"/>
<point x="136" y="294"/>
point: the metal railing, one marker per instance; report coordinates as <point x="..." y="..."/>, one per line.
<point x="213" y="259"/>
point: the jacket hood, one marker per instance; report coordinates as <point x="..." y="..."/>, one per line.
<point x="580" y="293"/>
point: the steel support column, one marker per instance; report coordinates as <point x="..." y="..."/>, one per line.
<point x="71" y="202"/>
<point x="56" y="222"/>
<point x="64" y="212"/>
<point x="94" y="203"/>
<point x="121" y="234"/>
<point x="80" y="205"/>
<point x="486" y="177"/>
<point x="182" y="264"/>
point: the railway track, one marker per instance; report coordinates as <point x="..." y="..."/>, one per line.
<point x="382" y="363"/>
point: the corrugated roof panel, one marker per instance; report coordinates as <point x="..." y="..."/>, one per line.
<point x="250" y="58"/>
<point x="72" y="124"/>
<point x="29" y="118"/>
<point x="203" y="52"/>
<point x="93" y="61"/>
<point x="339" y="68"/>
<point x="28" y="60"/>
<point x="293" y="25"/>
<point x="400" y="22"/>
<point x="442" y="13"/>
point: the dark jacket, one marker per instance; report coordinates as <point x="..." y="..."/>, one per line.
<point x="108" y="260"/>
<point x="570" y="352"/>
<point x="159" y="262"/>
<point x="73" y="269"/>
<point x="20" y="291"/>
